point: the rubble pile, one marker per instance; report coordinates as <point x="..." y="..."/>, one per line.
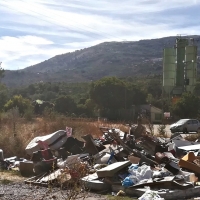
<point x="135" y="163"/>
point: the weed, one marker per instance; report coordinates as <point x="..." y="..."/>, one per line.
<point x="110" y="197"/>
<point x="17" y="132"/>
<point x="28" y="114"/>
<point x="161" y="130"/>
<point x="192" y="137"/>
<point x="5" y="181"/>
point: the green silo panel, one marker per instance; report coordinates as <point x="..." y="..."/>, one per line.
<point x="169" y="69"/>
<point x="180" y="55"/>
<point x="191" y="66"/>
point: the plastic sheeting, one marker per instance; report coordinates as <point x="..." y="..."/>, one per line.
<point x="137" y="174"/>
<point x="150" y="195"/>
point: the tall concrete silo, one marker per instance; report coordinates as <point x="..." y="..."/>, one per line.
<point x="190" y="67"/>
<point x="169" y="69"/>
<point x="180" y="67"/>
<point x="180" y="58"/>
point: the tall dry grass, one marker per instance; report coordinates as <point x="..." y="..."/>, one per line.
<point x="17" y="132"/>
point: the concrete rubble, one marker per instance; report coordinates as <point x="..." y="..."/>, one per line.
<point x="135" y="163"/>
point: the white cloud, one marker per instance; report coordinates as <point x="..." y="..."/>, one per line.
<point x="34" y="30"/>
<point x="15" y="48"/>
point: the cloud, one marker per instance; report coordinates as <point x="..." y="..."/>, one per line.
<point x="35" y="30"/>
<point x="15" y="48"/>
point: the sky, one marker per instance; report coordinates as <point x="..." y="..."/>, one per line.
<point x="32" y="31"/>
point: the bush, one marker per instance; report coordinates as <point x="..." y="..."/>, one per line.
<point x="161" y="130"/>
<point x="28" y="114"/>
<point x="18" y="101"/>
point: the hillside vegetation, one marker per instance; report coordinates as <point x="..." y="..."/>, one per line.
<point x="121" y="59"/>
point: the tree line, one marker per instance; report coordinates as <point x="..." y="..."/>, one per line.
<point x="101" y="98"/>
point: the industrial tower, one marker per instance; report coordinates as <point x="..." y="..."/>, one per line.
<point x="179" y="68"/>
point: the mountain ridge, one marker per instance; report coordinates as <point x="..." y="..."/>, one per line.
<point x="121" y="59"/>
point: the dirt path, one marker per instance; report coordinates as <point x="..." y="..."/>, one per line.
<point x="21" y="191"/>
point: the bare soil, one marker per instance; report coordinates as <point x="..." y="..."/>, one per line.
<point x="21" y="191"/>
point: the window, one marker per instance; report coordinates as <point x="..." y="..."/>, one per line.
<point x="194" y="121"/>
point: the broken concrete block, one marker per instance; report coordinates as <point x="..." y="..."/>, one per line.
<point x="110" y="170"/>
<point x="97" y="185"/>
<point x="91" y="182"/>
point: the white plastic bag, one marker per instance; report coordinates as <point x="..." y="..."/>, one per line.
<point x="150" y="195"/>
<point x="142" y="173"/>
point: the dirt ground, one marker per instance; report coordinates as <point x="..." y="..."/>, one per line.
<point x="21" y="191"/>
<point x="12" y="187"/>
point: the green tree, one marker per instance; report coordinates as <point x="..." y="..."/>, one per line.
<point x="197" y="89"/>
<point x="113" y="93"/>
<point x="91" y="107"/>
<point x="108" y="92"/>
<point x="187" y="106"/>
<point x="65" y="104"/>
<point x="3" y="90"/>
<point x="18" y="101"/>
<point x="3" y="96"/>
<point x="154" y="87"/>
<point x="1" y="71"/>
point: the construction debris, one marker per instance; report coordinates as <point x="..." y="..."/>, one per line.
<point x="134" y="163"/>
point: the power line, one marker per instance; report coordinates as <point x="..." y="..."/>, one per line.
<point x="93" y="31"/>
<point x="84" y="26"/>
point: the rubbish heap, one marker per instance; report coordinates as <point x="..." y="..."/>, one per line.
<point x="135" y="163"/>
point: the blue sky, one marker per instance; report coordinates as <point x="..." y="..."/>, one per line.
<point x="32" y="31"/>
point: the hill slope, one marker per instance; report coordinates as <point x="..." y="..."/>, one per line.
<point x="120" y="59"/>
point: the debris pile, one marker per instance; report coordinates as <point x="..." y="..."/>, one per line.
<point x="135" y="163"/>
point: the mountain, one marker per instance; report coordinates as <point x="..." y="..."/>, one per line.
<point x="121" y="59"/>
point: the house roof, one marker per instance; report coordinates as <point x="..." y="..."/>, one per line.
<point x="151" y="106"/>
<point x="158" y="109"/>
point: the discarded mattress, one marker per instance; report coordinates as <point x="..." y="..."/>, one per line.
<point x="110" y="170"/>
<point x="54" y="141"/>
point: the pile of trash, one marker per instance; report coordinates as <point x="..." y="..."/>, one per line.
<point x="135" y="163"/>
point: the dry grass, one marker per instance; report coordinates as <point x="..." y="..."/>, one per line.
<point x="16" y="133"/>
<point x="10" y="176"/>
<point x="192" y="137"/>
<point x="110" y="197"/>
